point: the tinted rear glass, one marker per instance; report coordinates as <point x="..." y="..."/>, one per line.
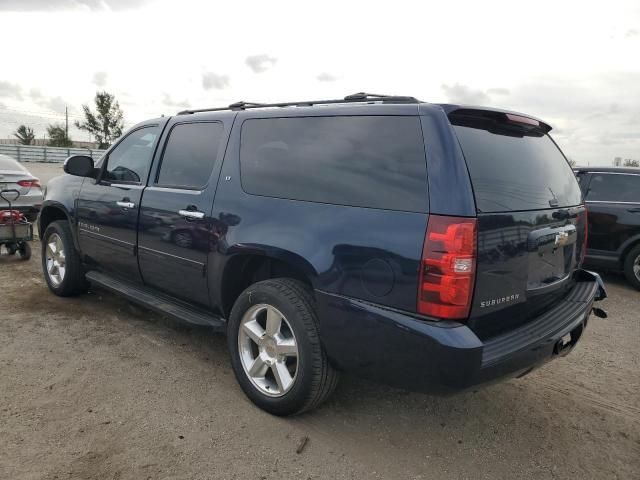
<point x="190" y="154"/>
<point x="370" y="161"/>
<point x="607" y="187"/>
<point x="511" y="171"/>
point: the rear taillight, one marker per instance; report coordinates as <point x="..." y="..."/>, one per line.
<point x="448" y="267"/>
<point x="29" y="183"/>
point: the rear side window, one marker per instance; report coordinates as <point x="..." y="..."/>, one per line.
<point x="375" y="162"/>
<point x="608" y="187"/>
<point x="515" y="170"/>
<point x="190" y="154"/>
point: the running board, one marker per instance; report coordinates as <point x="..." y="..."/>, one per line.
<point x="157" y="302"/>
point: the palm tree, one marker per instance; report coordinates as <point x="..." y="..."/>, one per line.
<point x="25" y="135"/>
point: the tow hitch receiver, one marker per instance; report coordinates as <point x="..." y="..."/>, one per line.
<point x="568" y="341"/>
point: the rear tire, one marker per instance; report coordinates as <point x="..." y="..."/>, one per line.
<point x="24" y="250"/>
<point x="632" y="266"/>
<point x="287" y="372"/>
<point x="61" y="263"/>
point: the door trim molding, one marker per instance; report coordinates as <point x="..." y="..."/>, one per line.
<point x="141" y="247"/>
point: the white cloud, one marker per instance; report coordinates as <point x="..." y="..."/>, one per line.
<point x="260" y="63"/>
<point x="463" y="94"/>
<point x="213" y="80"/>
<point x="47" y="5"/>
<point x="170" y="102"/>
<point x="100" y="78"/>
<point x="326" y="77"/>
<point x="10" y="90"/>
<point x="56" y="104"/>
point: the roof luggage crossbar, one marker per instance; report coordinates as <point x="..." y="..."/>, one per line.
<point x="353" y="98"/>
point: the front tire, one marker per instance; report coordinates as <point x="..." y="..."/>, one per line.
<point x="61" y="263"/>
<point x="275" y="348"/>
<point x="632" y="266"/>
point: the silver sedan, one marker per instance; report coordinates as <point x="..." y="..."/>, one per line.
<point x="14" y="175"/>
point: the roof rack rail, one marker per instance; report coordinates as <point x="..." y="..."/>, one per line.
<point x="353" y="98"/>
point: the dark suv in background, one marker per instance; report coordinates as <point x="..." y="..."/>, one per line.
<point x="612" y="196"/>
<point x="432" y="247"/>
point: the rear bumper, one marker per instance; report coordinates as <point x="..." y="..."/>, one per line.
<point x="445" y="357"/>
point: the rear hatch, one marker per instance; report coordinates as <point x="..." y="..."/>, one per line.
<point x="531" y="224"/>
<point x="14" y="177"/>
<point x="20" y="181"/>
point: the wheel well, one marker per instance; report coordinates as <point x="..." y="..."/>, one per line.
<point x="244" y="270"/>
<point x="626" y="251"/>
<point x="48" y="215"/>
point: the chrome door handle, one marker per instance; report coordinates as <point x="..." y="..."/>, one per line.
<point x="191" y="214"/>
<point x="126" y="204"/>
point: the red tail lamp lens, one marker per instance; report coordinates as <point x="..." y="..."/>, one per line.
<point x="29" y="183"/>
<point x="448" y="267"/>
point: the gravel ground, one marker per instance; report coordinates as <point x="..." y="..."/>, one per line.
<point x="96" y="388"/>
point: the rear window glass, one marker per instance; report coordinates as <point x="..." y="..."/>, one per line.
<point x="8" y="163"/>
<point x="608" y="187"/>
<point x="511" y="171"/>
<point x="368" y="161"/>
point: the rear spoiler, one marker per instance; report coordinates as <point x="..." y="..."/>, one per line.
<point x="495" y="114"/>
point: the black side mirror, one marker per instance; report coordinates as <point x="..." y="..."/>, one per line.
<point x="80" y="166"/>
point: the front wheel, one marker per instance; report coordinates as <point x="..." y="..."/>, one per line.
<point x="632" y="266"/>
<point x="61" y="263"/>
<point x="275" y="348"/>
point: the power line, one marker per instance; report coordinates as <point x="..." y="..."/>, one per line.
<point x="50" y="113"/>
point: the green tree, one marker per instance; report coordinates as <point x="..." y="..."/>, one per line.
<point x="631" y="163"/>
<point x="107" y="123"/>
<point x="24" y="135"/>
<point x="58" y="136"/>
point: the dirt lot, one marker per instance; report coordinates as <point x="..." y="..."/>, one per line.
<point x="93" y="387"/>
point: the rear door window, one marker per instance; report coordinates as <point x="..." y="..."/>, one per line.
<point x="372" y="161"/>
<point x="513" y="170"/>
<point x="614" y="187"/>
<point x="190" y="154"/>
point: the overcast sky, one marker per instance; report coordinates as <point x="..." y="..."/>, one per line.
<point x="576" y="64"/>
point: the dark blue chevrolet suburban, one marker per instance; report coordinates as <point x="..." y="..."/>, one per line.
<point x="430" y="247"/>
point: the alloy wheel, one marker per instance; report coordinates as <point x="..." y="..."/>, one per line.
<point x="268" y="350"/>
<point x="55" y="259"/>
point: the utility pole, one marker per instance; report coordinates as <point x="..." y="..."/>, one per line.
<point x="66" y="122"/>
